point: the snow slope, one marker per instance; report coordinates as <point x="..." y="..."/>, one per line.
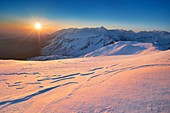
<point x="77" y="42"/>
<point x="123" y="48"/>
<point x="116" y="84"/>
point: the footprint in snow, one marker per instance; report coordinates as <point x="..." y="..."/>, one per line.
<point x="70" y="75"/>
<point x="93" y="77"/>
<point x="33" y="83"/>
<point x="85" y="74"/>
<point x="20" y="87"/>
<point x="44" y="79"/>
<point x="7" y="83"/>
<point x="41" y="86"/>
<point x="58" y="80"/>
<point x="13" y="85"/>
<point x="98" y="68"/>
<point x="18" y="82"/>
<point x="35" y="73"/>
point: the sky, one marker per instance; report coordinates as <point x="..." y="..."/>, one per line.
<point x="20" y="15"/>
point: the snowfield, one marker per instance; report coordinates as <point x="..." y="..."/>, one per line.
<point x="118" y="48"/>
<point x="123" y="48"/>
<point x="116" y="84"/>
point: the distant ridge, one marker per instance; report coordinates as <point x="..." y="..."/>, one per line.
<point x="74" y="42"/>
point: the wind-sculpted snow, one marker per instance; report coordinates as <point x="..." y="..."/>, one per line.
<point x="122" y="83"/>
<point x="15" y="101"/>
<point x="123" y="48"/>
<point x="75" y="42"/>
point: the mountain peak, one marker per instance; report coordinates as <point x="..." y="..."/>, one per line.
<point x="102" y="28"/>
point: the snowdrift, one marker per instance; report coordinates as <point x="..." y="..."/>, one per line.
<point x="123" y="48"/>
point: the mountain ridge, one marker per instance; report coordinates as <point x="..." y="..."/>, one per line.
<point x="76" y="42"/>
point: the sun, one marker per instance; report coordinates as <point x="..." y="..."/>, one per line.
<point x="38" y="26"/>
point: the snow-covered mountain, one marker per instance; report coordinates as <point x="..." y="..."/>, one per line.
<point x="123" y="48"/>
<point x="74" y="42"/>
<point x="77" y="42"/>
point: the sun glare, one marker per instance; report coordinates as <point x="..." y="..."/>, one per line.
<point x="38" y="26"/>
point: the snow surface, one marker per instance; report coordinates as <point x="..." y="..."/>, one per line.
<point x="123" y="48"/>
<point x="116" y="84"/>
